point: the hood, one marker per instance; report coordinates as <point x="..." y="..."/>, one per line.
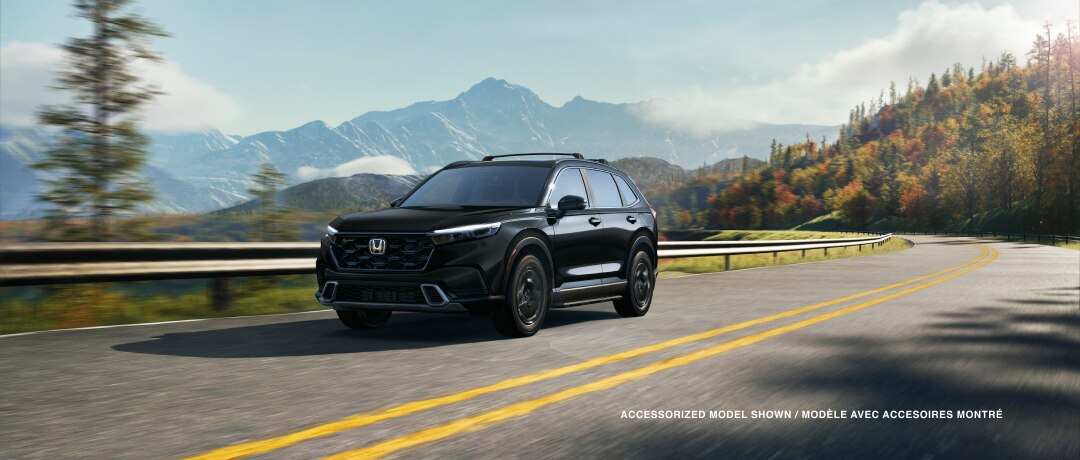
<point x="419" y="220"/>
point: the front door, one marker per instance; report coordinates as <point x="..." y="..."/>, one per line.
<point x="578" y="235"/>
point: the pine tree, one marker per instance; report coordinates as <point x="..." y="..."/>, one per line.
<point x="96" y="165"/>
<point x="932" y="87"/>
<point x="265" y="184"/>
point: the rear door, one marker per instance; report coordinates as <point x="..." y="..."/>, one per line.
<point x="578" y="236"/>
<point x="619" y="221"/>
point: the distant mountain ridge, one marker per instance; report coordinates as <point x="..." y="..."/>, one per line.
<point x="206" y="171"/>
<point x="654" y="176"/>
<point x="354" y="193"/>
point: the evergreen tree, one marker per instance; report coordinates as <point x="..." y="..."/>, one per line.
<point x="265" y="184"/>
<point x="96" y="165"/>
<point x="932" y="87"/>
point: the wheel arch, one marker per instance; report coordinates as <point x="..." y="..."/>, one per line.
<point x="529" y="241"/>
<point x="642" y="237"/>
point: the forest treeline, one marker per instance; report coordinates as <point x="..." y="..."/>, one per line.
<point x="995" y="146"/>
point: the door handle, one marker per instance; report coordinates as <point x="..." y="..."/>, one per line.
<point x="631" y="219"/>
<point x="594" y="220"/>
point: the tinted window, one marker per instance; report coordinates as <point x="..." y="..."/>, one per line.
<point x="605" y="194"/>
<point x="568" y="183"/>
<point x="481" y="186"/>
<point x="628" y="195"/>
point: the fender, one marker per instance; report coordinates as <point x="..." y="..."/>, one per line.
<point x="641" y="237"/>
<point x="525" y="240"/>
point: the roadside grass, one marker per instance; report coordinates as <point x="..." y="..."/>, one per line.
<point x="670" y="268"/>
<point x="25" y="309"/>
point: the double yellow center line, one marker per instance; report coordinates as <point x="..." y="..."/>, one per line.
<point x="486" y="419"/>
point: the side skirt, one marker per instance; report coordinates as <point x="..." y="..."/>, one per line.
<point x="587" y="294"/>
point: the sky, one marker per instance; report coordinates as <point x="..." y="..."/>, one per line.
<point x="247" y="66"/>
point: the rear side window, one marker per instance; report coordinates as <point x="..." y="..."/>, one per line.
<point x="628" y="195"/>
<point x="568" y="183"/>
<point x="605" y="193"/>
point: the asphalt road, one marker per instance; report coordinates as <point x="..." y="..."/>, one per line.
<point x="999" y="332"/>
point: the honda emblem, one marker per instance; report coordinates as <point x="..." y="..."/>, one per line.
<point x="376" y="246"/>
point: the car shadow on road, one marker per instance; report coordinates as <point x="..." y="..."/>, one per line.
<point x="329" y="336"/>
<point x="1018" y="356"/>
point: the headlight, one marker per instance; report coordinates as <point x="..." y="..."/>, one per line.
<point x="467" y="232"/>
<point x="330" y="232"/>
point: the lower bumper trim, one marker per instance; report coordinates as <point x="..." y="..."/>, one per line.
<point x="452" y="307"/>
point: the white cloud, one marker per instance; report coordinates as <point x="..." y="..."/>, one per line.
<point x="928" y="39"/>
<point x="383" y="164"/>
<point x="27" y="71"/>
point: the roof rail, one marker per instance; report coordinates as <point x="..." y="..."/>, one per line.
<point x="492" y="157"/>
<point x="598" y="160"/>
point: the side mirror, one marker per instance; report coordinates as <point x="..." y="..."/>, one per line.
<point x="571" y="203"/>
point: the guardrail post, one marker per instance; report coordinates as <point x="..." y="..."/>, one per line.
<point x="774" y="257"/>
<point x="803" y="253"/>
<point x="727" y="263"/>
<point x="220" y="294"/>
<point x="826" y="252"/>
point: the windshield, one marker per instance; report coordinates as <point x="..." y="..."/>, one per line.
<point x="495" y="186"/>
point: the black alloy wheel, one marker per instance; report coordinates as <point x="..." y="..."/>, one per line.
<point x="640" y="284"/>
<point x="528" y="296"/>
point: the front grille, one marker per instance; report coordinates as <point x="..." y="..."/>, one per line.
<point x="379" y="294"/>
<point x="403" y="253"/>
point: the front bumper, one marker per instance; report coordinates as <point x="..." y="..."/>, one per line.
<point x="456" y="279"/>
<point x="446" y="290"/>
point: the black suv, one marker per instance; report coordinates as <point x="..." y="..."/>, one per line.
<point x="511" y="238"/>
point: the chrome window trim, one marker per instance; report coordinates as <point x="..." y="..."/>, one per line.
<point x="551" y="187"/>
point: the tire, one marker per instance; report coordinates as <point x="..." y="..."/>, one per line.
<point x="528" y="296"/>
<point x="364" y="319"/>
<point x="640" y="284"/>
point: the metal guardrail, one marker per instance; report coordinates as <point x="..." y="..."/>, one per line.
<point x="61" y="263"/>
<point x="679" y="249"/>
<point x="1037" y="237"/>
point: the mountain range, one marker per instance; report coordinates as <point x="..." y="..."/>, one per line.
<point x="199" y="172"/>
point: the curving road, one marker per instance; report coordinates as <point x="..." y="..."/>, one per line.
<point x="950" y="325"/>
